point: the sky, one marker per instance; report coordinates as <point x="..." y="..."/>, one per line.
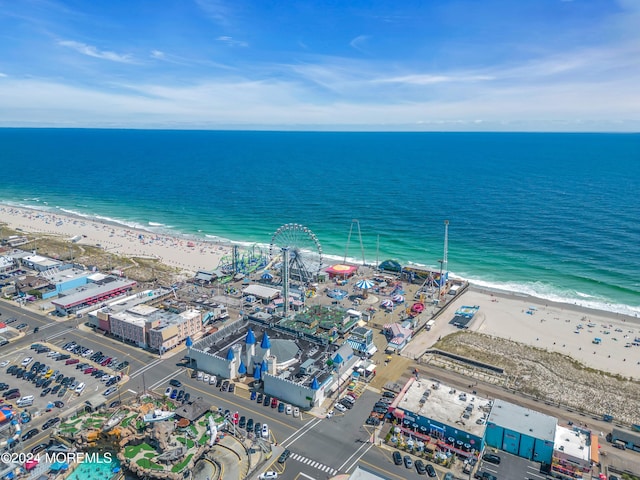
<point x="389" y="65"/>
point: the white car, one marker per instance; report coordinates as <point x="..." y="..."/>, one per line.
<point x="27" y="361"/>
<point x="296" y="412"/>
<point x="87" y="353"/>
<point x="330" y="414"/>
<point x="4" y="364"/>
<point x="265" y="431"/>
<point x="200" y="375"/>
<point x="269" y="475"/>
<point x="213" y="380"/>
<point x="167" y="392"/>
<point x="288" y="409"/>
<point x="340" y="407"/>
<point x="206" y="378"/>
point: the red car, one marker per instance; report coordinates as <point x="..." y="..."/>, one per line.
<point x="274" y="403"/>
<point x="89" y="370"/>
<point x="71" y="361"/>
<point x="106" y="362"/>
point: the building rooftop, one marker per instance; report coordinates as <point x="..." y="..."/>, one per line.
<point x="93" y="291"/>
<point x="447" y="405"/>
<point x="573" y="443"/>
<point x="523" y="420"/>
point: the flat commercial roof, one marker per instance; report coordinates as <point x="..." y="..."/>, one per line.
<point x="446" y="405"/>
<point x="91" y="294"/>
<point x="261" y="291"/>
<point x="523" y="420"/>
<point x="573" y="443"/>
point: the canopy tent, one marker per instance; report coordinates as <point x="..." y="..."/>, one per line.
<point x="341" y="270"/>
<point x="386" y="303"/>
<point x="398" y="299"/>
<point x="390" y="265"/>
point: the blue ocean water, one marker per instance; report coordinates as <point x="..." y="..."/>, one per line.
<point x="553" y="215"/>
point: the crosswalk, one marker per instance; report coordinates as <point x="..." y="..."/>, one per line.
<point x="313" y="464"/>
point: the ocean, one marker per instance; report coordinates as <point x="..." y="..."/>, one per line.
<point x="556" y="216"/>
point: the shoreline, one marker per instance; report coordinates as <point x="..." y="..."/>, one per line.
<point x="183" y="252"/>
<point x="217" y="246"/>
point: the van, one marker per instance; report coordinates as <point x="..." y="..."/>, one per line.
<point x="80" y="388"/>
<point x="26" y="401"/>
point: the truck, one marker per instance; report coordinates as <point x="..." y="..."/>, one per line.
<point x="430" y="324"/>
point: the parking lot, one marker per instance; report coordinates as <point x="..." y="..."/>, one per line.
<point x="46" y="377"/>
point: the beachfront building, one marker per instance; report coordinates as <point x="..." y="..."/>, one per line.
<point x="361" y="340"/>
<point x="41" y="264"/>
<point x="298" y="369"/>
<point x="153" y="328"/>
<point x="97" y="292"/>
<point x="7" y="265"/>
<point x="521" y="431"/>
<point x="575" y="451"/>
<point x="397" y="335"/>
<point x="447" y="420"/>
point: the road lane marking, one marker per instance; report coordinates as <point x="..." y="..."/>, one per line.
<point x="294" y="437"/>
<point x="355" y="453"/>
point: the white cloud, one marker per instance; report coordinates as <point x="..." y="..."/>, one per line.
<point x="92" y="51"/>
<point x="232" y="42"/>
<point x="157" y="54"/>
<point x="3" y="75"/>
<point x="359" y="43"/>
<point x="217" y="10"/>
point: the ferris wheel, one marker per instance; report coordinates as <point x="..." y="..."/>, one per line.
<point x="305" y="251"/>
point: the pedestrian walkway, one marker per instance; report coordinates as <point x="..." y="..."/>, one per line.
<point x="313" y="464"/>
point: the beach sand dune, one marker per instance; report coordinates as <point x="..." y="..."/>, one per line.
<point x="562" y="328"/>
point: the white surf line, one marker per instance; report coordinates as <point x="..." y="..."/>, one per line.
<point x="369" y="445"/>
<point x="145" y="368"/>
<point x="298" y="434"/>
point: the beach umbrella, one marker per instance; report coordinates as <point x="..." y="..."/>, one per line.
<point x="364" y="284"/>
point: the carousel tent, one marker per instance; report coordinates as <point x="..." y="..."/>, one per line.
<point x="341" y="270"/>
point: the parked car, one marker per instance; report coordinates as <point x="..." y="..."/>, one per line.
<point x="187" y="397"/>
<point x="250" y="425"/>
<point x="27" y="361"/>
<point x="296" y="412"/>
<point x="260" y="398"/>
<point x="265" y="431"/>
<point x="389" y="394"/>
<point x="274" y="402"/>
<point x="71" y="361"/>
<point x="408" y="463"/>
<point x="397" y="458"/>
<point x="174" y="393"/>
<point x="40" y="447"/>
<point x="420" y="467"/>
<point x="491" y="458"/>
<point x="232" y="387"/>
<point x="110" y="391"/>
<point x="431" y="471"/>
<point x="281" y="407"/>
<point x="341" y="408"/>
<point x="175" y="383"/>
<point x="268" y="475"/>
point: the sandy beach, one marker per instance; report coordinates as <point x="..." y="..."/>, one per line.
<point x="188" y="255"/>
<point x="562" y="328"/>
